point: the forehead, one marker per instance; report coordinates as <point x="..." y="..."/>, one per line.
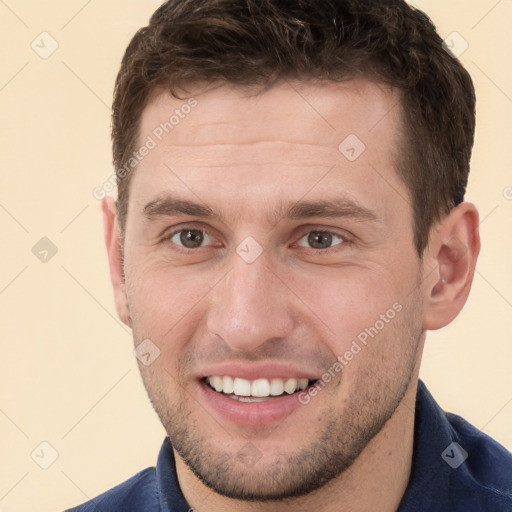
<point x="287" y="110"/>
<point x="263" y="145"/>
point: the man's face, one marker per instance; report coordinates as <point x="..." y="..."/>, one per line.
<point x="262" y="253"/>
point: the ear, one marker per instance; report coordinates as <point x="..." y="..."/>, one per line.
<point x="453" y="249"/>
<point x="115" y="258"/>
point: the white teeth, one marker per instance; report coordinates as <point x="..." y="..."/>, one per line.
<point x="303" y="384"/>
<point x="248" y="398"/>
<point x="241" y="387"/>
<point x="217" y="383"/>
<point x="227" y="385"/>
<point x="290" y="386"/>
<point x="276" y="387"/>
<point x="259" y="388"/>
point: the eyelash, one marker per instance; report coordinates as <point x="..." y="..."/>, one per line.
<point x="345" y="239"/>
<point x="169" y="236"/>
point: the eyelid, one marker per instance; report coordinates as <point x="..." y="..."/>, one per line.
<point x="168" y="234"/>
<point x="206" y="239"/>
<point x="334" y="245"/>
<point x="344" y="235"/>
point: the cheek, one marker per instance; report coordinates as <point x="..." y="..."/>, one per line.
<point x="346" y="296"/>
<point x="164" y="301"/>
<point x="356" y="304"/>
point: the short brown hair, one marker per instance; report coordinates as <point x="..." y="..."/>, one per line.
<point x="258" y="42"/>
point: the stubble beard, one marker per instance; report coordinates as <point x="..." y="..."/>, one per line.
<point x="334" y="448"/>
<point x="340" y="440"/>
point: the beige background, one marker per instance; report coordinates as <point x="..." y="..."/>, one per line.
<point x="67" y="373"/>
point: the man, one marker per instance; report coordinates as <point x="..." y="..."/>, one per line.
<point x="290" y="222"/>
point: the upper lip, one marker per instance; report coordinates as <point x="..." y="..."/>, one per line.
<point x="258" y="371"/>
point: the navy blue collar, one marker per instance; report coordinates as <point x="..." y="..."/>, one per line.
<point x="472" y="475"/>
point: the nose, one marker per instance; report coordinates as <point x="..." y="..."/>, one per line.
<point x="250" y="306"/>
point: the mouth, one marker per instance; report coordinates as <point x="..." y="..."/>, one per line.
<point x="257" y="390"/>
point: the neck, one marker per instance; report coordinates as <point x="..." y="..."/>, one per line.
<point x="376" y="480"/>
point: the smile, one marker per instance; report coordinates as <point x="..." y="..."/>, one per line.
<point x="257" y="390"/>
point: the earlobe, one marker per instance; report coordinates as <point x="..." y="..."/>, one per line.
<point x="115" y="257"/>
<point x="453" y="252"/>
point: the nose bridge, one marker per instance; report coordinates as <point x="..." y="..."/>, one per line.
<point x="250" y="306"/>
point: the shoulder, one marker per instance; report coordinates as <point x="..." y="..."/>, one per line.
<point x="137" y="493"/>
<point x="455" y="466"/>
<point x="486" y="471"/>
<point x="155" y="489"/>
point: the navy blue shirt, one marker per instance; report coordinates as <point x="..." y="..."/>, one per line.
<point x="455" y="468"/>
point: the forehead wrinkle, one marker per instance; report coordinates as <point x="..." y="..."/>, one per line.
<point x="234" y="154"/>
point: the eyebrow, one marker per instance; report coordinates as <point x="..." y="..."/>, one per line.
<point x="169" y="206"/>
<point x="330" y="208"/>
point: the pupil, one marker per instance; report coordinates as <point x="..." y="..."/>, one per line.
<point x="191" y="238"/>
<point x="319" y="240"/>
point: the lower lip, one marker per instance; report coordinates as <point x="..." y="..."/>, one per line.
<point x="250" y="413"/>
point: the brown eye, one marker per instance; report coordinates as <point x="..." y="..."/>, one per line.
<point x="320" y="240"/>
<point x="190" y="238"/>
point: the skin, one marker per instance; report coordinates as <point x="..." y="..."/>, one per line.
<point x="248" y="157"/>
